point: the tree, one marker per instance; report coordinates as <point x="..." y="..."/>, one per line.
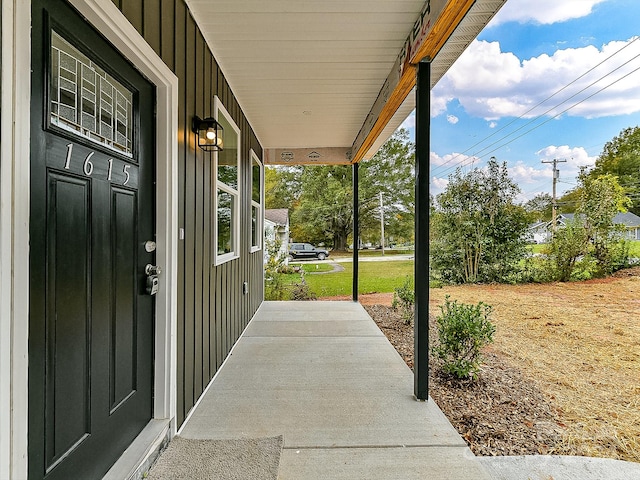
<point x="320" y="198"/>
<point x="621" y="157"/>
<point x="281" y="186"/>
<point x="479" y="230"/>
<point x="568" y="244"/>
<point x="592" y="234"/>
<point x="325" y="209"/>
<point x="539" y="207"/>
<point x="602" y="199"/>
<point x="390" y="172"/>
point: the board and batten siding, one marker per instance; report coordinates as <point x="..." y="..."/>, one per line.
<point x="212" y="309"/>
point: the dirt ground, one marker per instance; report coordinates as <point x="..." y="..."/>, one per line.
<point x="562" y="377"/>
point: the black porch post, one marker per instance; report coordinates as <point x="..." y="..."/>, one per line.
<point x="421" y="277"/>
<point x="356" y="231"/>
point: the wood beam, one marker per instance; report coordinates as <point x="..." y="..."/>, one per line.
<point x="437" y="21"/>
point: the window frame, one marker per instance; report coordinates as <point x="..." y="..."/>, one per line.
<point x="219" y="109"/>
<point x="253" y="156"/>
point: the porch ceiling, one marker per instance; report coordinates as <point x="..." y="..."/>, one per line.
<point x="307" y="74"/>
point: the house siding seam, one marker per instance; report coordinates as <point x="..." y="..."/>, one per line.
<point x="212" y="309"/>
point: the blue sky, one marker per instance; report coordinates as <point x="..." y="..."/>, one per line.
<point x="532" y="52"/>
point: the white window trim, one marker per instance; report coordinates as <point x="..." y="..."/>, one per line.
<point x="14" y="216"/>
<point x="256" y="248"/>
<point x="219" y="108"/>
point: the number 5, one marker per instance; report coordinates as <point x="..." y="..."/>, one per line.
<point x="125" y="169"/>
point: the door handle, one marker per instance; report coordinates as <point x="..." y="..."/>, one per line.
<point x="152" y="269"/>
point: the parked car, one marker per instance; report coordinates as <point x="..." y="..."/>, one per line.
<point x="306" y="250"/>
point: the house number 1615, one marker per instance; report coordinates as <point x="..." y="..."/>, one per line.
<point x="87" y="166"/>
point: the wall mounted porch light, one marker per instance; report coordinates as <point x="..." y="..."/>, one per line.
<point x="208" y="133"/>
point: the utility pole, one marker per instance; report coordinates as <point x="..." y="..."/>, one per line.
<point x="554" y="203"/>
<point x="382" y="223"/>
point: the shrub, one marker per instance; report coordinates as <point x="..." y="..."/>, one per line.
<point x="533" y="269"/>
<point x="463" y="330"/>
<point x="288" y="269"/>
<point x="585" y="268"/>
<point x="301" y="291"/>
<point x="404" y="299"/>
<point x="274" y="282"/>
<point x="569" y="244"/>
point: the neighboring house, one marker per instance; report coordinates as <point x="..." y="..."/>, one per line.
<point x="538" y="232"/>
<point x="631" y="223"/>
<point x="276" y="226"/>
<point x="132" y="191"/>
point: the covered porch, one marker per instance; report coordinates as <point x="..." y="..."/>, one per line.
<point x="326" y="378"/>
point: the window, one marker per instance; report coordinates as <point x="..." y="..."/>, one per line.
<point x="256" y="202"/>
<point x="87" y="101"/>
<point x="227" y="165"/>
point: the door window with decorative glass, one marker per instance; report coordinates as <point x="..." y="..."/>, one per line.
<point x="87" y="101"/>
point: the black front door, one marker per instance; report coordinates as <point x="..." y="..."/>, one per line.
<point x="91" y="325"/>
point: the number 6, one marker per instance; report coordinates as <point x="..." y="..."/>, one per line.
<point x="88" y="165"/>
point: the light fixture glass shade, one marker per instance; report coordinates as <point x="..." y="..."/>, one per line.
<point x="209" y="134"/>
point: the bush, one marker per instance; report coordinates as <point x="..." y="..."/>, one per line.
<point x="534" y="269"/>
<point x="301" y="291"/>
<point x="404" y="299"/>
<point x="274" y="284"/>
<point x="463" y="330"/>
<point x="569" y="244"/>
<point x="585" y="268"/>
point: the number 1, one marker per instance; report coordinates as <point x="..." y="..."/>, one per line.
<point x="68" y="160"/>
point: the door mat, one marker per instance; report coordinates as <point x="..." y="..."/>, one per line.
<point x="241" y="459"/>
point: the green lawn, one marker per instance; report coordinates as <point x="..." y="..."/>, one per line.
<point x="634" y="248"/>
<point x="374" y="277"/>
<point x="314" y="267"/>
<point x="371" y="253"/>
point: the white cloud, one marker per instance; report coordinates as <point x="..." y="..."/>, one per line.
<point x="409" y="122"/>
<point x="438" y="185"/>
<point x="524" y="174"/>
<point x="439" y="104"/>
<point x="574" y="158"/>
<point x="544" y="11"/>
<point x="493" y="124"/>
<point x="493" y="84"/>
<point x="452" y="119"/>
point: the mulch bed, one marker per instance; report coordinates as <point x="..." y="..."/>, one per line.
<point x="500" y="413"/>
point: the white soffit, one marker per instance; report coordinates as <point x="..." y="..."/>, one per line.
<point x="307" y="73"/>
<point x="474" y="21"/>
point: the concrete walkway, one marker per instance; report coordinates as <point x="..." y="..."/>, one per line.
<point x="324" y="376"/>
<point x="558" y="467"/>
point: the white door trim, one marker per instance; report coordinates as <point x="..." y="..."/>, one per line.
<point x="14" y="237"/>
<point x="111" y="23"/>
<point x="14" y="217"/>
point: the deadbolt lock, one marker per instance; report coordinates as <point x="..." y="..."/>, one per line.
<point x="152" y="272"/>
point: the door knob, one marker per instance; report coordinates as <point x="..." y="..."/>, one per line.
<point x="152" y="270"/>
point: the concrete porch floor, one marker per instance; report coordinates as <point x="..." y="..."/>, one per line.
<point x="326" y="378"/>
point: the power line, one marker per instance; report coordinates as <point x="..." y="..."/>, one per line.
<point x="567" y="109"/>
<point x="539" y="104"/>
<point x="550" y="118"/>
